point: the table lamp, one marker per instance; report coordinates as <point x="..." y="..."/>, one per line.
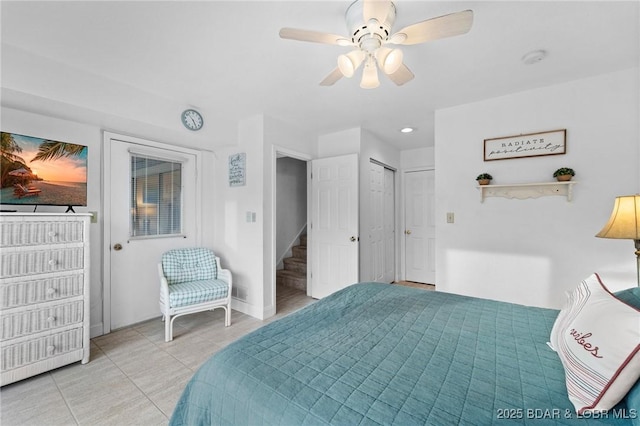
<point x="625" y="223"/>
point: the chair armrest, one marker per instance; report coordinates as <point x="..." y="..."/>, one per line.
<point x="164" y="285"/>
<point x="224" y="274"/>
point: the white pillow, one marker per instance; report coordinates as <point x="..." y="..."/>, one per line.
<point x="597" y="338"/>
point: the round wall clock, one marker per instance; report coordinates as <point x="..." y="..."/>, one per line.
<point x="192" y="119"/>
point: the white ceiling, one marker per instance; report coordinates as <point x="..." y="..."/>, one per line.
<point x="226" y="58"/>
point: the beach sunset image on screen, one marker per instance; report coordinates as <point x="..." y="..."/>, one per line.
<point x="39" y="171"/>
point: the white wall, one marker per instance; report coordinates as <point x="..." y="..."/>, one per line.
<point x="239" y="242"/>
<point x="339" y="143"/>
<point x="419" y="158"/>
<point x="531" y="251"/>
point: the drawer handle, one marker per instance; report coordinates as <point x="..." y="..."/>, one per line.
<point x="51" y="291"/>
<point x="51" y="319"/>
<point x="52" y="262"/>
<point x="50" y="349"/>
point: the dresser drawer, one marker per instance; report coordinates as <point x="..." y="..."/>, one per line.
<point x="32" y="262"/>
<point x="30" y="321"/>
<point x="30" y="233"/>
<point x="27" y="292"/>
<point x="31" y="351"/>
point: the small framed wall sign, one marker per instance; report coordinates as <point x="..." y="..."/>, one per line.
<point x="553" y="142"/>
<point x="237" y="169"/>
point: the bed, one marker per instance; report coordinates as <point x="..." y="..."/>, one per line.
<point x="386" y="354"/>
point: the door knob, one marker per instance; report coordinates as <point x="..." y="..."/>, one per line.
<point x="352" y="238"/>
<point x="117" y="247"/>
<point x="408" y="232"/>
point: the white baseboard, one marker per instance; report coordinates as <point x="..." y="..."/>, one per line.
<point x="96" y="330"/>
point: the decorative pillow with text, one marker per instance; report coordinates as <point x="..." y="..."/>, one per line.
<point x="597" y="338"/>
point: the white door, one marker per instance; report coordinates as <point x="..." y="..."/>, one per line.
<point x="389" y="220"/>
<point x="334" y="224"/>
<point x="376" y="212"/>
<point x="152" y="210"/>
<point x="420" y="230"/>
<point x="381" y="216"/>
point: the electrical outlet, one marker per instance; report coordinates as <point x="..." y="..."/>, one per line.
<point x="450" y="217"/>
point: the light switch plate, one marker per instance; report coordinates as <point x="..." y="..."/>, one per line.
<point x="450" y="217"/>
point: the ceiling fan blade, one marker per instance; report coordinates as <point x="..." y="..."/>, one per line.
<point x="402" y="76"/>
<point x="376" y="9"/>
<point x="314" y="37"/>
<point x="333" y="76"/>
<point x="432" y="29"/>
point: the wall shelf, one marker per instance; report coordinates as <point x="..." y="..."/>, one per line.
<point x="522" y="191"/>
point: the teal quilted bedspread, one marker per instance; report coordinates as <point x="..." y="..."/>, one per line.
<point x="380" y="354"/>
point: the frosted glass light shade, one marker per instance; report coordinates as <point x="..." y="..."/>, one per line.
<point x="625" y="219"/>
<point x="370" y="76"/>
<point x="389" y="60"/>
<point x="349" y="63"/>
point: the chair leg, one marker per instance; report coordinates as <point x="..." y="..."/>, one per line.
<point x="168" y="329"/>
<point x="227" y="315"/>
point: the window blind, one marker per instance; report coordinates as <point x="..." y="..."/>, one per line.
<point x="156" y="197"/>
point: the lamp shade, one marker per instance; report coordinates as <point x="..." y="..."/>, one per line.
<point x="370" y="76"/>
<point x="389" y="60"/>
<point x="625" y="219"/>
<point x="350" y="62"/>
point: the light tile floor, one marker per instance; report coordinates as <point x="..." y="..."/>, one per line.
<point x="133" y="377"/>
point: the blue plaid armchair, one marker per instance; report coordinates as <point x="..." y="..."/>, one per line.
<point x="191" y="280"/>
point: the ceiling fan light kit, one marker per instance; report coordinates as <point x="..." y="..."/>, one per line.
<point x="350" y="62"/>
<point x="389" y="60"/>
<point x="370" y="24"/>
<point x="370" y="76"/>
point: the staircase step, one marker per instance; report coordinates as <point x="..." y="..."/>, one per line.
<point x="299" y="251"/>
<point x="291" y="279"/>
<point x="295" y="264"/>
<point x="303" y="240"/>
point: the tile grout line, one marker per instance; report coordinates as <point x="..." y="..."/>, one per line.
<point x="64" y="398"/>
<point x="131" y="380"/>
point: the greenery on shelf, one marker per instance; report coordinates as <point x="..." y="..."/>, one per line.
<point x="484" y="176"/>
<point x="563" y="171"/>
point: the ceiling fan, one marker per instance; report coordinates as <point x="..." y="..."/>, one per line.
<point x="370" y="23"/>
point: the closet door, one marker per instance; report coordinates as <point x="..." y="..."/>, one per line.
<point x="381" y="259"/>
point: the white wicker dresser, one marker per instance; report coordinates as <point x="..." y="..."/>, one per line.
<point x="44" y="292"/>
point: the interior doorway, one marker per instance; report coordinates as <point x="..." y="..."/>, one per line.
<point x="290" y="201"/>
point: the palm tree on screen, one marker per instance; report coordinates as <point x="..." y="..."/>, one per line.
<point x="9" y="158"/>
<point x="52" y="150"/>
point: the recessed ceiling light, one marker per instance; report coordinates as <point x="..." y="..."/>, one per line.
<point x="407" y="129"/>
<point x="534" y="56"/>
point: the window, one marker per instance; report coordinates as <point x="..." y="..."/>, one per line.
<point x="156" y="197"/>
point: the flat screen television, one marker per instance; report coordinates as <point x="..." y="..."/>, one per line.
<point x="36" y="171"/>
